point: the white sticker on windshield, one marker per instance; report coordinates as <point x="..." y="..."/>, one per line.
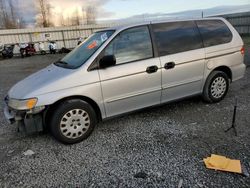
<point x="104" y="37"/>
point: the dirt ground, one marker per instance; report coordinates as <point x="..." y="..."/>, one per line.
<point x="157" y="147"/>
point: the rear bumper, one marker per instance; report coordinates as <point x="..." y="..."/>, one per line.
<point x="238" y="71"/>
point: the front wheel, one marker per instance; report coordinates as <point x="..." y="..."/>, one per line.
<point x="216" y="87"/>
<point x="73" y="121"/>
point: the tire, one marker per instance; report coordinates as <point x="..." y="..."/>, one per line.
<point x="10" y="55"/>
<point x="73" y="121"/>
<point x="22" y="55"/>
<point x="216" y="87"/>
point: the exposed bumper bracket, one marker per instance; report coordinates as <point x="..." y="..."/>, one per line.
<point x="25" y="123"/>
<point x="9" y="117"/>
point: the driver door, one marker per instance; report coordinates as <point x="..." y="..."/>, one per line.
<point x="135" y="81"/>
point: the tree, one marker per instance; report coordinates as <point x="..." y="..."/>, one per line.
<point x="90" y="13"/>
<point x="44" y="8"/>
<point x="76" y="19"/>
<point x="20" y="22"/>
<point x="48" y="9"/>
<point x="3" y="14"/>
<point x="62" y="20"/>
<point x="12" y="11"/>
<point x="10" y="19"/>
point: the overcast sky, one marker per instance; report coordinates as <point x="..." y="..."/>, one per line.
<point x="126" y="8"/>
<point x="119" y="9"/>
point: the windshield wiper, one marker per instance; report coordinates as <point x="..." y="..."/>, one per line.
<point x="61" y="62"/>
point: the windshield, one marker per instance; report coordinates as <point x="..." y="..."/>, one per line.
<point x="84" y="51"/>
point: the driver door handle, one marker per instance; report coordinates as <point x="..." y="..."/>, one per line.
<point x="152" y="69"/>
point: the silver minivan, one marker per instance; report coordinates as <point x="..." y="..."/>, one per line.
<point x="123" y="69"/>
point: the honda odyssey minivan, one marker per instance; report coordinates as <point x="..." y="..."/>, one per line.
<point x="123" y="69"/>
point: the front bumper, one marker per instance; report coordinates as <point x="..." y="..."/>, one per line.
<point x="26" y="122"/>
<point x="10" y="117"/>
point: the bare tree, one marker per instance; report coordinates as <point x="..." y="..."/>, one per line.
<point x="12" y="11"/>
<point x="10" y="19"/>
<point x="6" y="22"/>
<point x="76" y="20"/>
<point x="16" y="15"/>
<point x="62" y="20"/>
<point x="49" y="14"/>
<point x="44" y="8"/>
<point x="43" y="13"/>
<point x="13" y="17"/>
<point x="2" y="14"/>
<point x="90" y="13"/>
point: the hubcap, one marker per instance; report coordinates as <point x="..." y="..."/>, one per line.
<point x="75" y="123"/>
<point x="218" y="87"/>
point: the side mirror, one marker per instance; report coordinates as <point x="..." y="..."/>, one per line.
<point x="107" y="61"/>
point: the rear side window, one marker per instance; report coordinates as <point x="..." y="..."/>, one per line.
<point x="176" y="37"/>
<point x="214" y="32"/>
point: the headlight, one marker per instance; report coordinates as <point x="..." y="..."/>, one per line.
<point x="25" y="104"/>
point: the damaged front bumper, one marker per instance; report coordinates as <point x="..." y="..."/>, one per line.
<point x="27" y="121"/>
<point x="8" y="115"/>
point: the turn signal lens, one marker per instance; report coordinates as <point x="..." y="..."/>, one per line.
<point x="31" y="103"/>
<point x="242" y="50"/>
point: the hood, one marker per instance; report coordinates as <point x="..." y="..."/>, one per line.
<point x="40" y="82"/>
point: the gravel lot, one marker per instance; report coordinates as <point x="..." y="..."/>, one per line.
<point x="158" y="147"/>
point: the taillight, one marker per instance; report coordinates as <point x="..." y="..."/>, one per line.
<point x="242" y="50"/>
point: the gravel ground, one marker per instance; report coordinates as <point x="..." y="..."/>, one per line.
<point x="157" y="147"/>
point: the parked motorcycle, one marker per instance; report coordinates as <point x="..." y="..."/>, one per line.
<point x="52" y="47"/>
<point x="42" y="48"/>
<point x="23" y="49"/>
<point x="79" y="40"/>
<point x="64" y="50"/>
<point x="7" y="51"/>
<point x="1" y="47"/>
<point x="30" y="49"/>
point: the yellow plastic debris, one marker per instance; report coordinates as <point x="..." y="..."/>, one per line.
<point x="218" y="162"/>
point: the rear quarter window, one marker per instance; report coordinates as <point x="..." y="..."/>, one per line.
<point x="214" y="32"/>
<point x="176" y="37"/>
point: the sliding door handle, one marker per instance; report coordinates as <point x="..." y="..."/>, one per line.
<point x="169" y="65"/>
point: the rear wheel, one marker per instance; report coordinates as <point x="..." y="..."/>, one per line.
<point x="73" y="121"/>
<point x="10" y="55"/>
<point x="216" y="87"/>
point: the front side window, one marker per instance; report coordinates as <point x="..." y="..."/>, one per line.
<point x="214" y="32"/>
<point x="131" y="45"/>
<point x="175" y="37"/>
<point x="83" y="52"/>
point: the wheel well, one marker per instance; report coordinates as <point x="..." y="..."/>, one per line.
<point x="48" y="111"/>
<point x="226" y="70"/>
